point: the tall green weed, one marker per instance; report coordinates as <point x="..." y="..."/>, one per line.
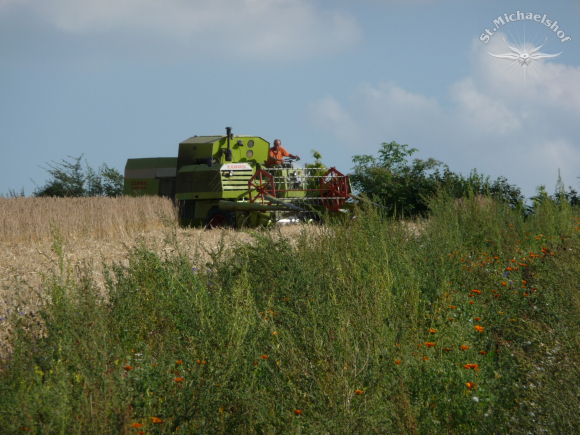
<point x="363" y="326"/>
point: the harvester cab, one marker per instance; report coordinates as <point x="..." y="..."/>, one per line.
<point x="223" y="181"/>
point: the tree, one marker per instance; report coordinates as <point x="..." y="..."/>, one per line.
<point x="561" y="197"/>
<point x="69" y="180"/>
<point x="404" y="188"/>
<point x="317" y="161"/>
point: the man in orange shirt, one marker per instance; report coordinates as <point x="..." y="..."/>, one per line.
<point x="277" y="153"/>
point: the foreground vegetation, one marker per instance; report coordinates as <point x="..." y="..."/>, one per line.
<point x="363" y="327"/>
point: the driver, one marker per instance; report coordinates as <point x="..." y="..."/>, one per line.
<point x="277" y="153"/>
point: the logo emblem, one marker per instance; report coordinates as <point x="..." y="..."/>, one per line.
<point x="523" y="56"/>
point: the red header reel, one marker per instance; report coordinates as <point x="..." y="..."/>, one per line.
<point x="334" y="189"/>
<point x="262" y="183"/>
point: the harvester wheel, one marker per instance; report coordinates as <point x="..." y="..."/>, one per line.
<point x="334" y="189"/>
<point x="261" y="184"/>
<point x="217" y="218"/>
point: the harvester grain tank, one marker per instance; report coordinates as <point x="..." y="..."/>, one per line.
<point x="223" y="181"/>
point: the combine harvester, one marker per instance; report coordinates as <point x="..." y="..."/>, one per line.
<point x="222" y="181"/>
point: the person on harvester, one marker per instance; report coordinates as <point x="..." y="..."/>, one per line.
<point x="277" y="153"/>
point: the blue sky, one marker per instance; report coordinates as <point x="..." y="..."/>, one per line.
<point x="119" y="79"/>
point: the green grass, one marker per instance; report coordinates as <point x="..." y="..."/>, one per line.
<point x="304" y="335"/>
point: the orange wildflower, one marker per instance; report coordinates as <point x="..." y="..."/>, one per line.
<point x="471" y="302"/>
<point x="178" y="380"/>
<point x="179" y="361"/>
<point x="264" y="356"/>
<point x="504" y="283"/>
<point x="432" y="331"/>
<point x="255" y="363"/>
<point x="156" y="420"/>
<point x="477" y="319"/>
<point x="464" y="347"/>
<point x="447" y="349"/>
<point x="452" y="307"/>
<point x="479" y="328"/>
<point x="137" y="425"/>
<point x="397" y="362"/>
<point x="509" y="268"/>
<point x="483" y="352"/>
<point x="451" y="319"/>
<point x="128" y="368"/>
<point x="428" y="344"/>
<point x="513" y="261"/>
<point x="524" y="281"/>
<point x="297" y="412"/>
<point x="471" y="366"/>
<point x="476" y="291"/>
<point x="425" y="358"/>
<point x="470" y="385"/>
<point x="358" y="391"/>
<point x="198" y="361"/>
<point x="203" y="362"/>
<point x="496" y="258"/>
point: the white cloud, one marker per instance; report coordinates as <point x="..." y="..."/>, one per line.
<point x="543" y="159"/>
<point x="543" y="83"/>
<point x="480" y="112"/>
<point x="392" y="106"/>
<point x="328" y="114"/>
<point x="496" y="123"/>
<point x="274" y="29"/>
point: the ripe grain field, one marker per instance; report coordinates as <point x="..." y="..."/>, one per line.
<point x="116" y="321"/>
<point x="92" y="232"/>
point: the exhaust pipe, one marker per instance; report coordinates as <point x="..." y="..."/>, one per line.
<point x="229" y="156"/>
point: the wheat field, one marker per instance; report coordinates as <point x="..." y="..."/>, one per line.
<point x="25" y="220"/>
<point x="93" y="231"/>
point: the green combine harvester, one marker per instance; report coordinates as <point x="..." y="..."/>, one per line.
<point x="223" y="181"/>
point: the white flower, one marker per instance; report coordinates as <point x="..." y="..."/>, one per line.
<point x="475" y="399"/>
